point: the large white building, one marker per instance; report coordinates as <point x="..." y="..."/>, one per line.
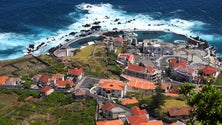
<point x="155" y="47"/>
<point x="112" y="88"/>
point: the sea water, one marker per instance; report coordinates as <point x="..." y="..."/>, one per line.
<point x="50" y="21"/>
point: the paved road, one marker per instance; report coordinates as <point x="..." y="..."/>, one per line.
<point x="86" y="81"/>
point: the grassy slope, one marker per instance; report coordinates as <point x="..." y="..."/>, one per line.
<point x="53" y="110"/>
<point x="96" y="62"/>
<point x="170" y="103"/>
<point x="219" y="80"/>
<point x="84" y="54"/>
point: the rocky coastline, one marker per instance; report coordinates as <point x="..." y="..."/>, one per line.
<point x="94" y="29"/>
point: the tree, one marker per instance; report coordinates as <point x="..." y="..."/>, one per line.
<point x="207" y="103"/>
<point x="26" y="82"/>
<point x="186" y="89"/>
<point x="158" y="99"/>
<point x="5" y="121"/>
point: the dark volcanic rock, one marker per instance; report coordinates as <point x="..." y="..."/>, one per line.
<point x="106" y="17"/>
<point x="88" y="6"/>
<point x="116" y="20"/>
<point x="85" y="31"/>
<point x="95" y="27"/>
<point x="86" y="25"/>
<point x="129" y="21"/>
<point x="72" y="33"/>
<point x="114" y="28"/>
<point x="113" y="33"/>
<point x="31" y="46"/>
<point x="97" y="22"/>
<point x="200" y="42"/>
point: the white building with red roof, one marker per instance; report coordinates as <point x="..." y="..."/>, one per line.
<point x="64" y="84"/>
<point x="125" y="58"/>
<point x="75" y="74"/>
<point x="118" y="41"/>
<point x="47" y="90"/>
<point x="179" y="112"/>
<point x="137" y="84"/>
<point x="57" y="76"/>
<point x="44" y="80"/>
<point x="112" y="111"/>
<point x="112" y="88"/>
<point x="181" y="71"/>
<point x="139" y="116"/>
<point x="148" y="72"/>
<point x="209" y="71"/>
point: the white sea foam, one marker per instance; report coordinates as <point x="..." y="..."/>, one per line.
<point x="106" y="14"/>
<point x="177" y="11"/>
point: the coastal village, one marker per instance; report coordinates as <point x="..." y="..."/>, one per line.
<point x="130" y="72"/>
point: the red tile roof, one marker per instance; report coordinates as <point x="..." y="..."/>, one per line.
<point x="137" y="119"/>
<point x="209" y="70"/>
<point x="129" y="57"/>
<point x="145" y="85"/>
<point x="139" y="83"/>
<point x="44" y="78"/>
<point x="187" y="69"/>
<point x="153" y="122"/>
<point x="118" y="39"/>
<point x="136" y="68"/>
<point x="165" y="86"/>
<point x="64" y="83"/>
<point x="110" y="122"/>
<point x="172" y="123"/>
<point x="129" y="101"/>
<point x="46" y="88"/>
<point x="171" y="94"/>
<point x="179" y="111"/>
<point x="57" y="76"/>
<point x="181" y="64"/>
<point x="109" y="84"/>
<point x="3" y="79"/>
<point x="150" y="69"/>
<point x="139" y="116"/>
<point x="175" y="89"/>
<point x="178" y="62"/>
<point x="108" y="106"/>
<point x="75" y="71"/>
<point x="137" y="111"/>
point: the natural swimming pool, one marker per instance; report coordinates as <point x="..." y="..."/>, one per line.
<point x="140" y="35"/>
<point x="161" y="35"/>
<point x="80" y="42"/>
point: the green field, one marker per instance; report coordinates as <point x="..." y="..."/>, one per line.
<point x="219" y="80"/>
<point x="57" y="108"/>
<point x="94" y="61"/>
<point x="84" y="54"/>
<point x="170" y="103"/>
<point x="7" y="100"/>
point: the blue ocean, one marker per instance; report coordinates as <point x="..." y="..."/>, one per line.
<point x="25" y="22"/>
